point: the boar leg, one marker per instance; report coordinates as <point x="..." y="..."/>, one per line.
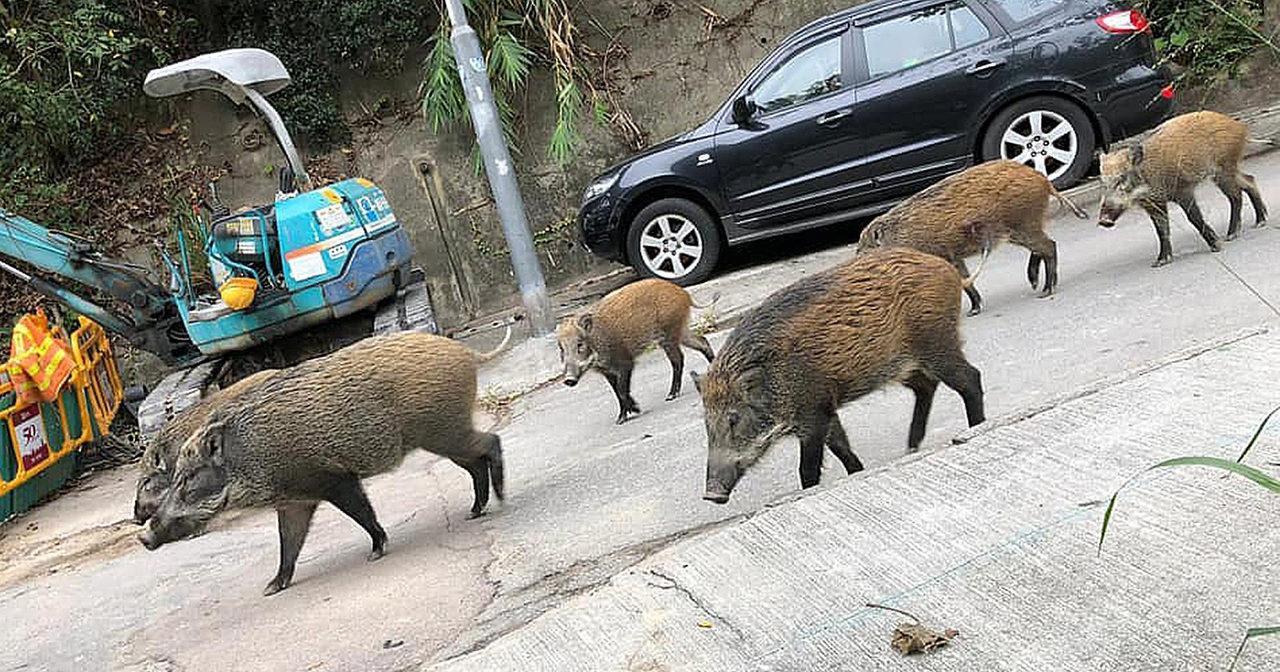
<point x="348" y="495"/>
<point x="1250" y="187"/>
<point x="1189" y="206"/>
<point x="620" y="380"/>
<point x="812" y="442"/>
<point x="1033" y="270"/>
<point x="1159" y="213"/>
<point x="838" y="444"/>
<point x="676" y="356"/>
<point x="1230" y="187"/>
<point x="1043" y="249"/>
<point x="493" y="459"/>
<point x="957" y="373"/>
<point x="294" y="519"/>
<point x="478" y="467"/>
<point x="975" y="299"/>
<point x="924" y="388"/>
<point x="699" y="343"/>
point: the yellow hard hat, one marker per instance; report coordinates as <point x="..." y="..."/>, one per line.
<point x="238" y="293"/>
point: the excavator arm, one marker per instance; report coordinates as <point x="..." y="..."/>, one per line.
<point x="151" y="320"/>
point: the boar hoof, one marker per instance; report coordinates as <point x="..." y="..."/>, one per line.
<point x="277" y="584"/>
<point x="376" y="554"/>
<point x="1162" y="261"/>
<point x="1262" y="224"/>
<point x="1048" y="292"/>
<point x="673" y="397"/>
<point x="475" y="513"/>
<point x="974" y="312"/>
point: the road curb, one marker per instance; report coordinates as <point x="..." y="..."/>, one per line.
<point x="1101" y="384"/>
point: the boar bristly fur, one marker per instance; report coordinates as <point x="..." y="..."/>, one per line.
<point x="887" y="316"/>
<point x="611" y="334"/>
<point x="317" y="429"/>
<point x="971" y="212"/>
<point x="162" y="450"/>
<point x="1182" y="153"/>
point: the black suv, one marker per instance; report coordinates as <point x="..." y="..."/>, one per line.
<point x="865" y="107"/>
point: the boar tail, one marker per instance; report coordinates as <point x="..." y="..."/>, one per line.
<point x="715" y="298"/>
<point x="483" y="357"/>
<point x="1066" y="202"/>
<point x="973" y="277"/>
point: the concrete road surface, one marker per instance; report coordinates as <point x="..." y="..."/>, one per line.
<point x="586" y="499"/>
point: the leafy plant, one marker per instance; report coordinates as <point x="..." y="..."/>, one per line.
<point x="1209" y="38"/>
<point x="1231" y="466"/>
<point x="514" y="34"/>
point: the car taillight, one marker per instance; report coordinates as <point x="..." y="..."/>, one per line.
<point x="1124" y="22"/>
<point x="1167" y="92"/>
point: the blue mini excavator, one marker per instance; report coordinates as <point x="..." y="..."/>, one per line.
<point x="314" y="257"/>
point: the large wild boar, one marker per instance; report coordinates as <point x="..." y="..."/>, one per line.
<point x="610" y="335"/>
<point x="162" y="450"/>
<point x="886" y="316"/>
<point x="1168" y="165"/>
<point x="322" y="426"/>
<point x="970" y="213"/>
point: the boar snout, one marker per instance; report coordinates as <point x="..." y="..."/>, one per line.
<point x="720" y="483"/>
<point x="570" y="380"/>
<point x="149" y="540"/>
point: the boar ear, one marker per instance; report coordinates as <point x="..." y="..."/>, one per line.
<point x="697" y="380"/>
<point x="1136" y="154"/>
<point x="586" y="322"/>
<point x="215" y="442"/>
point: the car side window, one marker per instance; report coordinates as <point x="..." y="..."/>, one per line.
<point x="1021" y="10"/>
<point x="810" y="73"/>
<point x="907" y="41"/>
<point x="967" y="27"/>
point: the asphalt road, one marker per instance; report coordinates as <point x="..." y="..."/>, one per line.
<point x="586" y="498"/>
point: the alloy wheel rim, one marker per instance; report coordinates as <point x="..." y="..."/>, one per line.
<point x="670" y="246"/>
<point x="1043" y="140"/>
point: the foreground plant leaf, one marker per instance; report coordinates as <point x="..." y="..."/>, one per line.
<point x="1248" y="635"/>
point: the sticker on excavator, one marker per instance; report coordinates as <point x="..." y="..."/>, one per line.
<point x="33" y="446"/>
<point x="306" y="266"/>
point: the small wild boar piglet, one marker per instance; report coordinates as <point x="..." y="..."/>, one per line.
<point x="1168" y="165"/>
<point x="970" y="213"/>
<point x="317" y="429"/>
<point x="886" y="316"/>
<point x="162" y="450"/>
<point x="610" y="335"/>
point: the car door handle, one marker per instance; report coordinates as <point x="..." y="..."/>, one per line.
<point x="983" y="67"/>
<point x="834" y="118"/>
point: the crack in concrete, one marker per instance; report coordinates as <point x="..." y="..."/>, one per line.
<point x="1252" y="290"/>
<point x="508" y="613"/>
<point x="697" y="602"/>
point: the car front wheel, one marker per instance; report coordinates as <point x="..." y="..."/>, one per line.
<point x="674" y="239"/>
<point x="1049" y="134"/>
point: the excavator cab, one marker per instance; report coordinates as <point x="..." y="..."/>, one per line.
<point x="317" y="253"/>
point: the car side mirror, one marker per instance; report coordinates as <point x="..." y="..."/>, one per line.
<point x="743" y="109"/>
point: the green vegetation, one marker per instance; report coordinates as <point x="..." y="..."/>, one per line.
<point x="1210" y="38"/>
<point x="1237" y="467"/>
<point x="515" y="34"/>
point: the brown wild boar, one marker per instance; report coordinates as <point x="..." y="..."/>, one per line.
<point x="973" y="211"/>
<point x="318" y="428"/>
<point x="886" y="316"/>
<point x="162" y="450"/>
<point x="1168" y="165"/>
<point x="610" y="335"/>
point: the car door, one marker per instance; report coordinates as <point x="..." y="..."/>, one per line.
<point x="924" y="76"/>
<point x="788" y="159"/>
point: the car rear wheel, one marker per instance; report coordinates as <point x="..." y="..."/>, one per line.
<point x="674" y="239"/>
<point x="1050" y="134"/>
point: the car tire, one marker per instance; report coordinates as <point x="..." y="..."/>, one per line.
<point x="674" y="239"/>
<point x="1024" y="132"/>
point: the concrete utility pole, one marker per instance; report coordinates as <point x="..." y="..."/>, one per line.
<point x="497" y="164"/>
